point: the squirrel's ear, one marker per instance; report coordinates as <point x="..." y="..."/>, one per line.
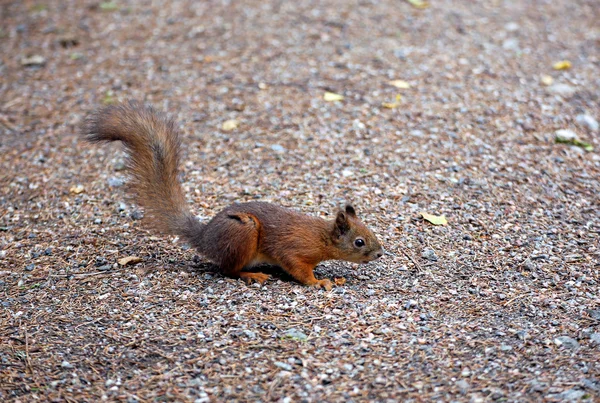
<point x="341" y="223"/>
<point x="350" y="210"/>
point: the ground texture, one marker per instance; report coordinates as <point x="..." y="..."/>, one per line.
<point x="500" y="304"/>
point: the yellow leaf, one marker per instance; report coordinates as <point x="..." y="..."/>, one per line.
<point x="418" y="3"/>
<point x="562" y="65"/>
<point x="435" y="219"/>
<point x="403" y="85"/>
<point x="332" y="97"/>
<point x="229" y="125"/>
<point x="546" y="80"/>
<point x="129" y="260"/>
<point x="77" y="189"/>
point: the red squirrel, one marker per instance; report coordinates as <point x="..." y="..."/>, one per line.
<point x="240" y="236"/>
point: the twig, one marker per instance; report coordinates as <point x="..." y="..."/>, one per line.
<point x="409" y="256"/>
<point x="8" y="126"/>
<point x="510" y="301"/>
<point x="27" y="360"/>
<point x="274" y="384"/>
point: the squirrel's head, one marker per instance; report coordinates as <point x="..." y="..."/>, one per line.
<point x="354" y="240"/>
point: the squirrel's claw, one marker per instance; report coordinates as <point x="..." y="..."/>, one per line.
<point x="250" y="277"/>
<point x="326" y="284"/>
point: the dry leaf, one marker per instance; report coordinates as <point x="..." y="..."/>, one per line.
<point x="332" y="97"/>
<point x="546" y="80"/>
<point x="562" y="65"/>
<point x="392" y="105"/>
<point x="129" y="260"/>
<point x="418" y="3"/>
<point x="230" y="125"/>
<point x="77" y="189"/>
<point x="403" y="85"/>
<point x="435" y="219"/>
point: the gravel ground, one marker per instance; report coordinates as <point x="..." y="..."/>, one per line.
<point x="500" y="304"/>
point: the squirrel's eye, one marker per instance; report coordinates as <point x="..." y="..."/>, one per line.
<point x="359" y="242"/>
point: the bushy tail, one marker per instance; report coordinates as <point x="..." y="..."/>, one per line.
<point x="153" y="147"/>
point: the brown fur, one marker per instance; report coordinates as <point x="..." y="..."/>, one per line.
<point x="240" y="236"/>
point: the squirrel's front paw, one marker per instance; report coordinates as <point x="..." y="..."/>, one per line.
<point x="326" y="284"/>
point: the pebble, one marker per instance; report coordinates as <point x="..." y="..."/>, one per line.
<point x="570" y="395"/>
<point x="567" y="342"/>
<point x="591" y="383"/>
<point x="564" y="90"/>
<point x="115" y="182"/>
<point x="505" y="347"/>
<point x="249" y="334"/>
<point x="137" y="215"/>
<point x="380" y="380"/>
<point x="30" y="267"/>
<point x="463" y="386"/>
<point x="122" y="207"/>
<point x="477" y="398"/>
<point x="411" y="303"/>
<point x="283" y="365"/>
<point x="529" y="265"/>
<point x="278" y="148"/>
<point x="588" y="122"/>
<point x="595" y="338"/>
<point x="296" y="335"/>
<point x="66" y="365"/>
<point x="429" y="254"/>
<point x="510" y="44"/>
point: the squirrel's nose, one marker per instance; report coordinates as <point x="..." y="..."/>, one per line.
<point x="379" y="254"/>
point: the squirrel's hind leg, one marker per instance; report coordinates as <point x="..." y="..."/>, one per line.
<point x="241" y="231"/>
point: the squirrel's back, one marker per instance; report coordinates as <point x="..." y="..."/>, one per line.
<point x="153" y="147"/>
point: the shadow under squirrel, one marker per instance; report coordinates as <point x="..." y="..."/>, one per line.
<point x="240" y="236"/>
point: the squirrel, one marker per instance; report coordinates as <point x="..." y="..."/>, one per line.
<point x="240" y="236"/>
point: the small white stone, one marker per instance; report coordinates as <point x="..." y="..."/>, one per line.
<point x="564" y="90"/>
<point x="565" y="135"/>
<point x="588" y="122"/>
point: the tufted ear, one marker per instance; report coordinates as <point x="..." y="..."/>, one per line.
<point x="341" y="223"/>
<point x="350" y="210"/>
